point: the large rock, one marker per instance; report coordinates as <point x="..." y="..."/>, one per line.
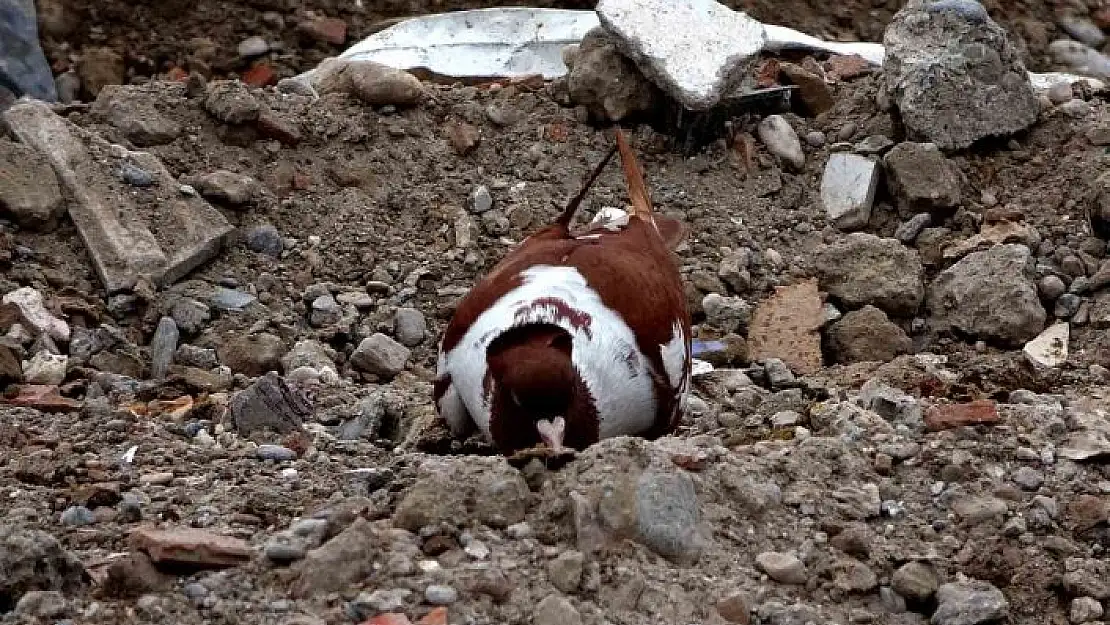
<point x="954" y="75"/>
<point x="605" y="82"/>
<point x="133" y="114"/>
<point x="921" y="178"/>
<point x="863" y="269"/>
<point x="24" y="69"/>
<point x="695" y="50"/>
<point x="34" y="560"/>
<point x="970" y="603"/>
<point x="989" y="295"/>
<point x="479" y="489"/>
<point x="867" y="335"/>
<point x="29" y="190"/>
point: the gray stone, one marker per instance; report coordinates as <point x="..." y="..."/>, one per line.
<point x="231" y="102"/>
<point x="133" y="114"/>
<point x="867" y="335"/>
<point x="373" y="83"/>
<point x="43" y="604"/>
<point x="695" y="50"/>
<point x="1028" y="478"/>
<point x="269" y="404"/>
<point x="226" y="187"/>
<point x="162" y="347"/>
<point x="782" y="141"/>
<point x="29" y="190"/>
<point x="308" y="353"/>
<point x="989" y="295"/>
<point x="380" y="355"/>
<point x="604" y="81"/>
<point x="782" y="567"/>
<point x="325" y="311"/>
<point x="916" y="581"/>
<point x="253" y="354"/>
<point x="253" y="46"/>
<point x="555" y="610"/>
<point x="479" y="200"/>
<point x="892" y="404"/>
<point x="125" y="238"/>
<point x="1083" y="29"/>
<point x="282" y="550"/>
<point x="969" y="603"/>
<point x="954" y="75"/>
<point x="862" y="269"/>
<point x="346" y="559"/>
<point x="922" y="178"/>
<point x="1085" y="610"/>
<point x="276" y="453"/>
<point x="1051" y="288"/>
<point x="908" y="230"/>
<point x="565" y="571"/>
<point x="77" y="516"/>
<point x="667" y="515"/>
<point x="370" y="413"/>
<point x="34" y="560"/>
<point x="490" y="493"/>
<point x="265" y="239"/>
<point x="848" y="189"/>
<point x="409" y="326"/>
<point x="728" y="314"/>
<point x="135" y="176"/>
<point x="45" y="368"/>
<point x="1080" y="58"/>
<point x="440" y="594"/>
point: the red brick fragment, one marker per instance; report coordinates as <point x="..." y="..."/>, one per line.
<point x="948" y="416"/>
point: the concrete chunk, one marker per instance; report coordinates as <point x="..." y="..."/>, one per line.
<point x="156" y="233"/>
<point x="695" y="50"/>
<point x="848" y="189"/>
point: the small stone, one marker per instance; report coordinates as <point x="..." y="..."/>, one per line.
<point x="231" y="299"/>
<point x="326" y="29"/>
<point x="813" y="91"/>
<point x="921" y="177"/>
<point x="1028" y="478"/>
<point x="908" y="230"/>
<point x="736" y="608"/>
<point x="135" y="176"/>
<point x="100" y="67"/>
<point x="565" y="571"/>
<point x="265" y="239"/>
<point x="969" y="603"/>
<point x="782" y="141"/>
<point x="1051" y="287"/>
<point x="916" y="581"/>
<point x="78" y="516"/>
<point x="479" y="200"/>
<point x="867" y="335"/>
<point x="269" y="404"/>
<point x="190" y="546"/>
<point x="605" y="81"/>
<point x="380" y="355"/>
<point x="35" y="560"/>
<point x="1060" y="93"/>
<point x="463" y="137"/>
<point x="409" y="326"/>
<point x="46" y="369"/>
<point x="226" y="187"/>
<point x="440" y="594"/>
<point x="162" y="347"/>
<point x="29" y="190"/>
<point x="33" y="312"/>
<point x="1085" y="610"/>
<point x="253" y="354"/>
<point x="862" y="269"/>
<point x="43" y="604"/>
<point x="698" y="65"/>
<point x="276" y="453"/>
<point x="782" y="567"/>
<point x="253" y="46"/>
<point x="1083" y="29"/>
<point x="190" y="317"/>
<point x="728" y="314"/>
<point x="231" y="102"/>
<point x="373" y="83"/>
<point x="325" y="311"/>
<point x="555" y="610"/>
<point x="1050" y="348"/>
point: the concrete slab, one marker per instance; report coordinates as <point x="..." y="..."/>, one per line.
<point x="154" y="232"/>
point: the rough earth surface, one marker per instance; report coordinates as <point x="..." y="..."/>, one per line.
<point x="257" y="442"/>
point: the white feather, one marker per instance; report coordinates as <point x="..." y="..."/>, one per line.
<point x="605" y="355"/>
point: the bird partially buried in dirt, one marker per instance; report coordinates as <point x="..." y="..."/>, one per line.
<point x="573" y="337"/>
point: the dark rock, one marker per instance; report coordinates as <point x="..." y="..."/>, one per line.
<point x="269" y="404"/>
<point x="867" y="335"/>
<point x="254" y="354"/>
<point x="34" y="560"/>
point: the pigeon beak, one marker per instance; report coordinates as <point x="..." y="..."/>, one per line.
<point x="551" y="432"/>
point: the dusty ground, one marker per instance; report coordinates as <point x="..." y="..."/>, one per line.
<point x="873" y="511"/>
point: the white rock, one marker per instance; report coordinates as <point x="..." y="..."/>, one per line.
<point x="848" y="189"/>
<point x="45" y="368"/>
<point x="34" y="312"/>
<point x="1050" y="348"/>
<point x="778" y="135"/>
<point x="695" y="50"/>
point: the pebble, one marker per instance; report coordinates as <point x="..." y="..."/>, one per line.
<point x="1028" y="478"/>
<point x="782" y="567"/>
<point x="78" y="516"/>
<point x="970" y="603"/>
<point x="45" y="368"/>
<point x="782" y="141"/>
<point x="915" y="581"/>
<point x="265" y="239"/>
<point x="440" y="594"/>
<point x="556" y="610"/>
<point x="565" y="571"/>
<point x="848" y="189"/>
<point x="380" y="355"/>
<point x="409" y="326"/>
<point x="325" y="311"/>
<point x="43" y="604"/>
<point x="479" y="200"/>
<point x="230" y="299"/>
<point x="135" y="176"/>
<point x="908" y="231"/>
<point x="1051" y="287"/>
<point x="253" y="46"/>
<point x="1085" y="610"/>
<point x="162" y="347"/>
<point x="275" y="452"/>
<point x="284" y="551"/>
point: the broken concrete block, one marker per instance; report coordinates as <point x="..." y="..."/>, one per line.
<point x="157" y="233"/>
<point x="848" y="189"/>
<point x="1050" y="349"/>
<point x="695" y="50"/>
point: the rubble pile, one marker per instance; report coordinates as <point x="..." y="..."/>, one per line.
<point x="221" y="303"/>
